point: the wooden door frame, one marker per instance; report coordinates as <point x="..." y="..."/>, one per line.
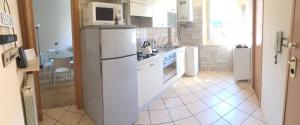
<point x="254" y="28"/>
<point x="28" y="34"/>
<point x="288" y="65"/>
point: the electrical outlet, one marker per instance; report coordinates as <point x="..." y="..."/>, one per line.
<point x="9" y="55"/>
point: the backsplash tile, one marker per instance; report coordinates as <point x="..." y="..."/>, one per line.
<point x="211" y="58"/>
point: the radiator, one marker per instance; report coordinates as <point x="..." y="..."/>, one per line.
<point x="29" y="102"/>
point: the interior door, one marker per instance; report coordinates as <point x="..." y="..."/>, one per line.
<point x="258" y="23"/>
<point x="292" y="111"/>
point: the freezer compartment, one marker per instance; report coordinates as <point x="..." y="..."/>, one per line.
<point x="117" y="43"/>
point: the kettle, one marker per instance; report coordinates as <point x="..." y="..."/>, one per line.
<point x="147" y="48"/>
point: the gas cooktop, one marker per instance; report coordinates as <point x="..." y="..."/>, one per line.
<point x="141" y="56"/>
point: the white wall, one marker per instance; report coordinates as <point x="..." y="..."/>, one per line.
<point x="11" y="112"/>
<point x="277" y="16"/>
<point x="55" y="19"/>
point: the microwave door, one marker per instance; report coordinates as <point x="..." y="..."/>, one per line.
<point x="104" y="15"/>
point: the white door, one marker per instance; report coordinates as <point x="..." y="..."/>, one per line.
<point x="120" y="93"/>
<point x="274" y="75"/>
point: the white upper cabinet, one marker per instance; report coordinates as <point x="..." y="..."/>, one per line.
<point x="159" y="18"/>
<point x="142" y="8"/>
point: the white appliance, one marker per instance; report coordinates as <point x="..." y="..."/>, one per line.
<point x="98" y="13"/>
<point x="109" y="67"/>
<point x="242" y="64"/>
<point x="185" y="11"/>
<point x="192" y="66"/>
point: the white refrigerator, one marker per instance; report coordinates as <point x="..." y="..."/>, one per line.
<point x="109" y="65"/>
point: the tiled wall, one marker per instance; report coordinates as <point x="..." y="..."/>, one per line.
<point x="211" y="58"/>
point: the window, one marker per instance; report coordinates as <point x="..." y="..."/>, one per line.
<point x="223" y="22"/>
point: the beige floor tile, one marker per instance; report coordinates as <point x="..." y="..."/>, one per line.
<point x="223" y="94"/>
<point x="207" y="84"/>
<point x="47" y="121"/>
<point x="66" y="107"/>
<point x="170" y="93"/>
<point x="202" y="94"/>
<point x="173" y="102"/>
<point x="234" y="100"/>
<point x="253" y="99"/>
<point x="195" y="88"/>
<point x="207" y="117"/>
<point x="248" y="107"/>
<point x="74" y="109"/>
<point x="224" y="85"/>
<point x="244" y="94"/>
<point x="58" y="123"/>
<point x="222" y="108"/>
<point x="171" y="123"/>
<point x="55" y="113"/>
<point x="197" y="107"/>
<point x="259" y="115"/>
<point x="157" y="105"/>
<point x="187" y="121"/>
<point x="214" y="89"/>
<point x="144" y="118"/>
<point x="188" y="98"/>
<point x="211" y="100"/>
<point x="86" y="120"/>
<point x="253" y="121"/>
<point x="70" y="118"/>
<point x="160" y="116"/>
<point x="221" y="122"/>
<point x="236" y="117"/>
<point x="233" y="89"/>
<point x="182" y="91"/>
<point x="179" y="113"/>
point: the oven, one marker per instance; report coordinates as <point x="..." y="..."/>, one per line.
<point x="169" y="65"/>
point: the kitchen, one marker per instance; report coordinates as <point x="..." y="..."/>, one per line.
<point x="154" y="62"/>
<point x="138" y="39"/>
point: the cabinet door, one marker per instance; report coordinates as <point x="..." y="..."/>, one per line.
<point x="143" y="10"/>
<point x="160" y="13"/>
<point x="172" y="6"/>
<point x="152" y="80"/>
<point x="180" y="60"/>
<point x="140" y="85"/>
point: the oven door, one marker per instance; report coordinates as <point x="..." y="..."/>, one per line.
<point x="170" y="67"/>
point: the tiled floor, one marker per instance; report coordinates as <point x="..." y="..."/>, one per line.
<point x="68" y="115"/>
<point x="212" y="98"/>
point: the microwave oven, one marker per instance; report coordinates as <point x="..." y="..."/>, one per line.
<point x="98" y="13"/>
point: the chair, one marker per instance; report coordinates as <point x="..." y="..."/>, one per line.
<point x="61" y="66"/>
<point x="47" y="65"/>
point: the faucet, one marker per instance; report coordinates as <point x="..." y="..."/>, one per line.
<point x="164" y="43"/>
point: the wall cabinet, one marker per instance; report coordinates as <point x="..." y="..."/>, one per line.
<point x="180" y="62"/>
<point x="142" y="8"/>
<point x="150" y="80"/>
<point x="164" y="13"/>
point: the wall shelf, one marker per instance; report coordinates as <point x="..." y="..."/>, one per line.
<point x="33" y="65"/>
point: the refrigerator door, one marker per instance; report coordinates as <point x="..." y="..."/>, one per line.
<point x="120" y="94"/>
<point x="117" y="43"/>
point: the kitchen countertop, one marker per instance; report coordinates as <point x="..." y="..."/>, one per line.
<point x="162" y="53"/>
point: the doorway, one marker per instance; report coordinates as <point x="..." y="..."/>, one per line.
<point x="29" y="35"/>
<point x="54" y="44"/>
